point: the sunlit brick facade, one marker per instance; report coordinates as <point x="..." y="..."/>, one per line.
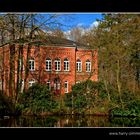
<point x="59" y="66"/>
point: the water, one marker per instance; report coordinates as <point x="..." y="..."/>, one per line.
<point x="70" y="121"/>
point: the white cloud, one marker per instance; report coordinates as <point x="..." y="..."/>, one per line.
<point x="94" y="24"/>
<point x="84" y="30"/>
<point x="80" y="24"/>
<point x="67" y="34"/>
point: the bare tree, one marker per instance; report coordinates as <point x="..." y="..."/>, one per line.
<point x="23" y="30"/>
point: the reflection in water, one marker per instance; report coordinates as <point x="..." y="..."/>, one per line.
<point x="70" y="121"/>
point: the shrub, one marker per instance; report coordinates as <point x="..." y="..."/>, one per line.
<point x="84" y="94"/>
<point x="7" y="107"/>
<point x="37" y="99"/>
<point x="132" y="108"/>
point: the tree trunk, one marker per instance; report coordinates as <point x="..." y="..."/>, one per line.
<point x="12" y="71"/>
<point x="2" y="41"/>
<point x="19" y="70"/>
<point x="39" y="65"/>
<point x="106" y="88"/>
<point x="27" y="66"/>
<point x="118" y="81"/>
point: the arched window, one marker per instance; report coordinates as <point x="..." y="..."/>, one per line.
<point x="48" y="64"/>
<point x="57" y="64"/>
<point x="66" y="64"/>
<point x="79" y="65"/>
<point x="88" y="66"/>
<point x="49" y="85"/>
<point x="32" y="64"/>
<point x="57" y="86"/>
<point x="31" y="82"/>
<point x="66" y="87"/>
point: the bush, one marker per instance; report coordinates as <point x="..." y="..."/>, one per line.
<point x="132" y="108"/>
<point x="37" y="99"/>
<point x="83" y="95"/>
<point x="6" y="106"/>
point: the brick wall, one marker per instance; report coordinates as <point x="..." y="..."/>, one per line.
<point x="39" y="54"/>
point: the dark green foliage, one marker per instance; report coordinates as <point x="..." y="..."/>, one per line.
<point x="128" y="96"/>
<point x="102" y="94"/>
<point x="131" y="106"/>
<point x="84" y="94"/>
<point x="125" y="112"/>
<point x="37" y="99"/>
<point x="125" y="121"/>
<point x="85" y="97"/>
<point x="7" y="107"/>
<point x="92" y="95"/>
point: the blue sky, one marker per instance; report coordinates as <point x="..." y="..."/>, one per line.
<point x="86" y="19"/>
<point x="79" y="19"/>
<point x="83" y="19"/>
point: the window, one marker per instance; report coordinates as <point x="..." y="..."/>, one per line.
<point x="66" y="86"/>
<point x="49" y="85"/>
<point x="66" y="64"/>
<point x="57" y="84"/>
<point x="79" y="66"/>
<point x="88" y="66"/>
<point x="57" y="65"/>
<point x="48" y="64"/>
<point x="31" y="64"/>
<point x="31" y="82"/>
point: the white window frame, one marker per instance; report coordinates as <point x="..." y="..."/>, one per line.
<point x="31" y="82"/>
<point x="88" y="66"/>
<point x="66" y="89"/>
<point x="66" y="64"/>
<point x="49" y="84"/>
<point x="79" y="65"/>
<point x="57" y="63"/>
<point x="31" y="64"/>
<point x="48" y="64"/>
<point x="57" y="87"/>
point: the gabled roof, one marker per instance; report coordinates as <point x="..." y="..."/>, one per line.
<point x="51" y="40"/>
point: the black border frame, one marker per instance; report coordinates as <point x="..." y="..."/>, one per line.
<point x="68" y="6"/>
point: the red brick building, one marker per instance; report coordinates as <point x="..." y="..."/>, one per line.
<point x="58" y="63"/>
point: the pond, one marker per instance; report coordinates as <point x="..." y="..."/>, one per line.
<point x="70" y="121"/>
